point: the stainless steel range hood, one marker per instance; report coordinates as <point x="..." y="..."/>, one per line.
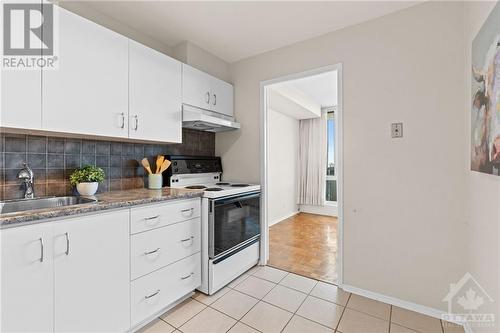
<point x="205" y="120"/>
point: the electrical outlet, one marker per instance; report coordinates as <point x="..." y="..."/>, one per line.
<point x="397" y="130"/>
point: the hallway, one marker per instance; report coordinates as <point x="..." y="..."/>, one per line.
<point x="305" y="244"/>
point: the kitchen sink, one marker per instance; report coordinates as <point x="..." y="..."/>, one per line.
<point x="23" y="205"/>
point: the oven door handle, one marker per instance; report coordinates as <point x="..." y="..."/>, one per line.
<point x="211" y="222"/>
<point x="233" y="199"/>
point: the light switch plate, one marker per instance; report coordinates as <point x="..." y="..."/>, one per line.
<point x="397" y="130"/>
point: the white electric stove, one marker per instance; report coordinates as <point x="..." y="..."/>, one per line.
<point x="230" y="219"/>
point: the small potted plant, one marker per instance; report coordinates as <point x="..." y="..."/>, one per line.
<point x="87" y="179"/>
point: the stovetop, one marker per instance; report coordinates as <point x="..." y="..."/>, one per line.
<point x="213" y="189"/>
<point x="204" y="173"/>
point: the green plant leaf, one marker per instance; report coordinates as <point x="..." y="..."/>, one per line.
<point x="87" y="174"/>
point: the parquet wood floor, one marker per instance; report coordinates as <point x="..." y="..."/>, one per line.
<point x="305" y="244"/>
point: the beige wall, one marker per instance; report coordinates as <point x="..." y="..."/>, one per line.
<point x="195" y="56"/>
<point x="283" y="150"/>
<point x="483" y="228"/>
<point x="82" y="9"/>
<point x="404" y="198"/>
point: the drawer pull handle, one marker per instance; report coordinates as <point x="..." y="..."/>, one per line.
<point x="152" y="295"/>
<point x="187" y="276"/>
<point x="188" y="239"/>
<point x="152" y="221"/>
<point x="123" y="120"/>
<point x="151" y="252"/>
<point x="41" y="249"/>
<point x="67" y="244"/>
<point x="189" y="210"/>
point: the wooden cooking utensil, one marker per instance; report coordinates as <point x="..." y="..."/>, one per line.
<point x="159" y="162"/>
<point x="145" y="164"/>
<point x="164" y="166"/>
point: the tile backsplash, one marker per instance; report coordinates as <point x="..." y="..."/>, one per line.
<point x="53" y="159"/>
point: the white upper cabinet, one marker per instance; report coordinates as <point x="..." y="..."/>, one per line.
<point x="107" y="85"/>
<point x="196" y="87"/>
<point x="205" y="91"/>
<point x="21" y="99"/>
<point x="88" y="94"/>
<point x="91" y="265"/>
<point x="222" y="97"/>
<point x="155" y="95"/>
<point x="27" y="290"/>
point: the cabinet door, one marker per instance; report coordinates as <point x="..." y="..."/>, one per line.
<point x="27" y="289"/>
<point x="196" y="87"/>
<point x="222" y="97"/>
<point x="88" y="94"/>
<point x="91" y="261"/>
<point x="155" y="96"/>
<point x="21" y="102"/>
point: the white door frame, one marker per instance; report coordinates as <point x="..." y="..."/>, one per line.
<point x="339" y="159"/>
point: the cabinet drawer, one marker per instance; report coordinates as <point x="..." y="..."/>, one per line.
<point x="159" y="215"/>
<point x="152" y="293"/>
<point x="157" y="248"/>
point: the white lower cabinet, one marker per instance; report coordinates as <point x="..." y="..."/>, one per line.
<point x="27" y="289"/>
<point x="67" y="276"/>
<point x="157" y="248"/>
<point x="163" y="214"/>
<point x="74" y="275"/>
<point x="91" y="261"/>
<point x="165" y="257"/>
<point x="152" y="293"/>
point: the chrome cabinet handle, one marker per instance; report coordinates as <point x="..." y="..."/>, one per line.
<point x="215" y="99"/>
<point x="188" y="210"/>
<point x="41" y="249"/>
<point x="153" y="294"/>
<point x="188" y="239"/>
<point x="151" y="218"/>
<point x="151" y="252"/>
<point x="123" y="120"/>
<point x="67" y="244"/>
<point x="208" y="97"/>
<point x="187" y="276"/>
<point x="136" y="122"/>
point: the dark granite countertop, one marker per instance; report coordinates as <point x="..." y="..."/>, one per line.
<point x="105" y="201"/>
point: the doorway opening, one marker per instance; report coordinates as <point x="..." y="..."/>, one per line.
<point x="301" y="118"/>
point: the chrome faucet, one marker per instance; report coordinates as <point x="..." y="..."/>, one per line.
<point x="26" y="175"/>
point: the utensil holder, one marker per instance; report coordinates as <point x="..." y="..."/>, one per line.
<point x="155" y="181"/>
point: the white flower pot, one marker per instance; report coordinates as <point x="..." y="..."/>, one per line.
<point x="87" y="188"/>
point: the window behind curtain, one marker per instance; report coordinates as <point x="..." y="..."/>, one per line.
<point x="331" y="178"/>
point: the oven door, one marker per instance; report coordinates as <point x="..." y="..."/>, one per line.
<point x="233" y="222"/>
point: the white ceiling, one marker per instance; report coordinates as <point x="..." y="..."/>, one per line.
<point x="321" y="89"/>
<point x="234" y="30"/>
<point x="294" y="104"/>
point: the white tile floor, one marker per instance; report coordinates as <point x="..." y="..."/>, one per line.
<point x="269" y="300"/>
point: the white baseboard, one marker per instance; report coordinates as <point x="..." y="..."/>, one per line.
<point x="327" y="209"/>
<point x="273" y="222"/>
<point x="431" y="312"/>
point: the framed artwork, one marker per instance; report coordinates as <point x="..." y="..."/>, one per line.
<point x="485" y="108"/>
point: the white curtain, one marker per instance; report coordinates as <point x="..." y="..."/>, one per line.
<point x="312" y="160"/>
